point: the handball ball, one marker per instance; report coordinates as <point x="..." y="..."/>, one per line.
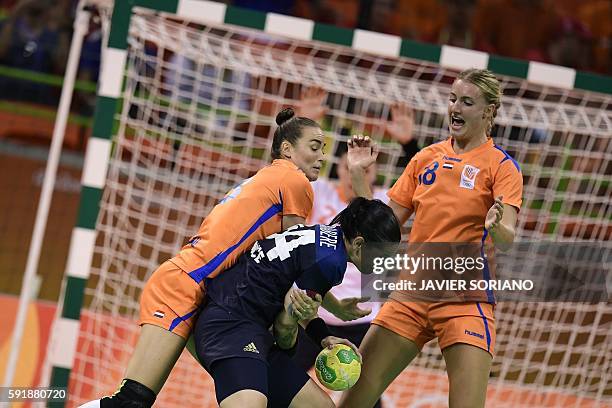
<point x="338" y="368"/>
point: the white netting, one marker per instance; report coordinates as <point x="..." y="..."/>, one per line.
<point x="197" y="118"/>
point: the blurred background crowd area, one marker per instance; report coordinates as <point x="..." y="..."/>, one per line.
<point x="35" y="35"/>
<point x="35" y="38"/>
<point x="572" y="33"/>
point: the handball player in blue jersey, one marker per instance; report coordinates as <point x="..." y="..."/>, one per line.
<point x="249" y="322"/>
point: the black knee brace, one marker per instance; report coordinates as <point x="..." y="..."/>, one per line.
<point x="131" y="394"/>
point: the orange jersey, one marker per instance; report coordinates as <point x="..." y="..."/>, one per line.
<point x="451" y="193"/>
<point x="251" y="211"/>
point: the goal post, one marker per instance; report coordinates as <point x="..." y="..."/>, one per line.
<point x="185" y="109"/>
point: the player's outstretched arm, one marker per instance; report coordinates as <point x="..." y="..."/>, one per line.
<point x="346" y="309"/>
<point x="312" y="103"/>
<point x="401" y="125"/>
<point x="362" y="153"/>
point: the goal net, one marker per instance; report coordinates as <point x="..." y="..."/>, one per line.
<point x="197" y="116"/>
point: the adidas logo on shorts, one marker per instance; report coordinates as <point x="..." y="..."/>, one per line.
<point x="251" y="348"/>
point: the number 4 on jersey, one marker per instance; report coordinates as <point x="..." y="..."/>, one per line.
<point x="283" y="247"/>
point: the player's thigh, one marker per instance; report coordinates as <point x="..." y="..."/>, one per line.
<point x="154" y="356"/>
<point x="306" y="350"/>
<point x="240" y="382"/>
<point x="311" y="396"/>
<point x="191" y="348"/>
<point x="168" y="306"/>
<point x="245" y="398"/>
<point x="468" y="369"/>
<point x="290" y="385"/>
<point x="385" y="355"/>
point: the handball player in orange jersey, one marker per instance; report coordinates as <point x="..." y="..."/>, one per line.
<point x="274" y="199"/>
<point x="463" y="189"/>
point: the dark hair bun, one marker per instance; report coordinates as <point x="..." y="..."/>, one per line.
<point x="284" y="115"/>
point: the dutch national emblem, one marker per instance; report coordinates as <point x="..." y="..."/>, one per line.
<point x="468" y="176"/>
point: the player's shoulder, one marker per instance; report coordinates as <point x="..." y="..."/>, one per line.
<point x="431" y="151"/>
<point x="282" y="171"/>
<point x="500" y="157"/>
<point x="436" y="147"/>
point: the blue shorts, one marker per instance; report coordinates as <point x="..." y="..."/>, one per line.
<point x="228" y="345"/>
<point x="220" y="335"/>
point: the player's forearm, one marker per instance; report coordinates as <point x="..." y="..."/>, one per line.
<point x="330" y="303"/>
<point x="361" y="188"/>
<point x="503" y="236"/>
<point x="285" y="330"/>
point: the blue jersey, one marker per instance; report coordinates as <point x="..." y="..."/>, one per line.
<point x="314" y="257"/>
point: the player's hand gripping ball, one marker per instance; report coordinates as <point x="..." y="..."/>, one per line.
<point x="338" y="368"/>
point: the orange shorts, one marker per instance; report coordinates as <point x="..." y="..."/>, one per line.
<point x="470" y="323"/>
<point x="171" y="300"/>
